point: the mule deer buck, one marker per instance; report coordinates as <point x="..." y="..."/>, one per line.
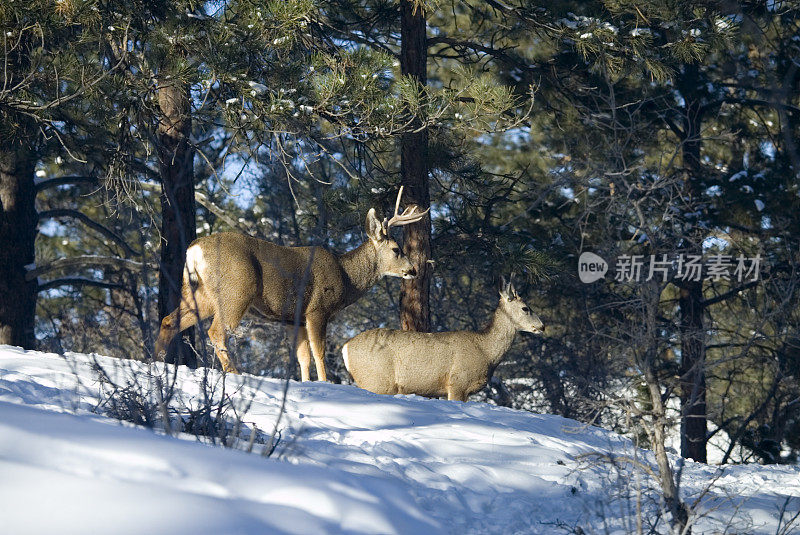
<point x="455" y="364"/>
<point x="228" y="274"/>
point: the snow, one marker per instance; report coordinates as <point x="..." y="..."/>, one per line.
<point x="257" y="87"/>
<point x="348" y="462"/>
<point x="736" y="176"/>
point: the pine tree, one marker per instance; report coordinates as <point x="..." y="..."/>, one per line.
<point x="415" y="312"/>
<point x="48" y="70"/>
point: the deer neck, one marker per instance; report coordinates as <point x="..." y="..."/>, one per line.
<point x="361" y="269"/>
<point x="498" y="336"/>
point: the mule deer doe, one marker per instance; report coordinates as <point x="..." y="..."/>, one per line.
<point x="228" y="274"/>
<point x="456" y="364"/>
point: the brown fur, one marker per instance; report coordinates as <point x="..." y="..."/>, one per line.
<point x="453" y="364"/>
<point x="228" y="274"/>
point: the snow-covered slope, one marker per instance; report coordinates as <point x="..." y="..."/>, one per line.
<point x="348" y="462"/>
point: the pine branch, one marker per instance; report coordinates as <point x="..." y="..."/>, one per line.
<point x="730" y="293"/>
<point x="65" y="180"/>
<point x="498" y="53"/>
<point x="218" y="211"/>
<point x="87" y="261"/>
<point x="77" y="281"/>
<point x="92" y="224"/>
<point x="532" y="21"/>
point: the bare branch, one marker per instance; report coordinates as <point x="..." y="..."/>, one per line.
<point x="65" y="180"/>
<point x="218" y="211"/>
<point x="92" y="224"/>
<point x="730" y="293"/>
<point x="77" y="281"/>
<point x="87" y="261"/>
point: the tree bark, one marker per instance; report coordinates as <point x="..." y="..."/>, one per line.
<point x="17" y="235"/>
<point x="415" y="293"/>
<point x="692" y="330"/>
<point x="657" y="432"/>
<point x="666" y="475"/>
<point x="178" y="225"/>
<point x="693" y="373"/>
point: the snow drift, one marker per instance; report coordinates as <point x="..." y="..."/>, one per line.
<point x="348" y="461"/>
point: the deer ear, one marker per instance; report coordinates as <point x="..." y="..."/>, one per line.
<point x="373" y="226"/>
<point x="504" y="289"/>
<point x="510" y="288"/>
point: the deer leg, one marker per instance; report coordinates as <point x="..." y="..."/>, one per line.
<point x="456" y="395"/>
<point x="302" y="351"/>
<point x="217" y="336"/>
<point x="316" y="338"/>
<point x="229" y="313"/>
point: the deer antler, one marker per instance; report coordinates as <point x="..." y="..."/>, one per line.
<point x="409" y="215"/>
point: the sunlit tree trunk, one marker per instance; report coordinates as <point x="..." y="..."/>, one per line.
<point x="178" y="226"/>
<point x="414" y="294"/>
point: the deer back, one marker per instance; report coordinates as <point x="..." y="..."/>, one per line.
<point x="271" y="278"/>
<point x="388" y="361"/>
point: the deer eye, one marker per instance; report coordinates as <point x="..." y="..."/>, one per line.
<point x="396" y="250"/>
<point x="526" y="310"/>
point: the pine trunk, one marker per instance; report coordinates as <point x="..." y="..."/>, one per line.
<point x="17" y="235"/>
<point x="178" y="226"/>
<point x="693" y="355"/>
<point x="693" y="373"/>
<point x="415" y="293"/>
